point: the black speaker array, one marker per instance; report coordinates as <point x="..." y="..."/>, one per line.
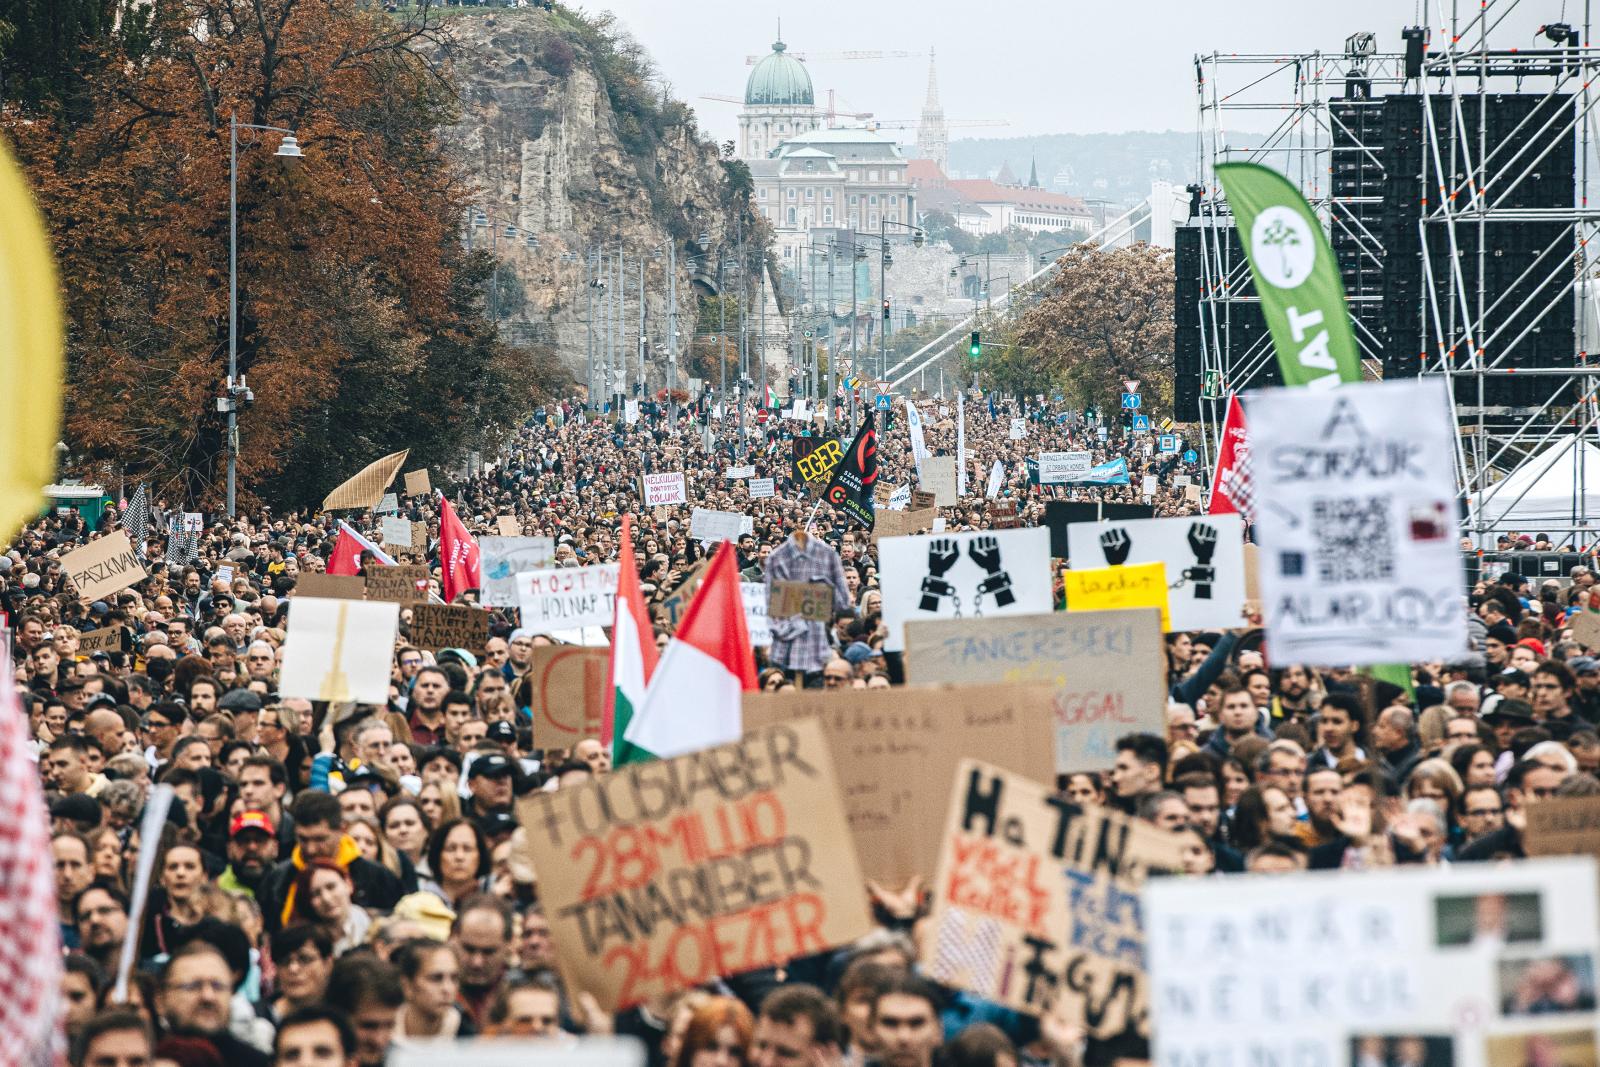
<point x="1240" y="327"/>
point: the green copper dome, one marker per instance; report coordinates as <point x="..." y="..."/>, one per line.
<point x="779" y="79"/>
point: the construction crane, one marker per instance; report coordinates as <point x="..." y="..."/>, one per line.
<point x="907" y="124"/>
<point x="831" y="57"/>
<point x="831" y="112"/>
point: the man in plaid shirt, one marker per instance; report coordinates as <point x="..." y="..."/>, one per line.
<point x="797" y="644"/>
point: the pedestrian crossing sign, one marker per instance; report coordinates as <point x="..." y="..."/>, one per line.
<point x="1141" y="424"/>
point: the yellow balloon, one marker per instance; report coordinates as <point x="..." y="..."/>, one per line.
<point x="30" y="352"/>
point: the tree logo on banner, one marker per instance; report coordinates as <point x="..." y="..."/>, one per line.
<point x="1117" y="546"/>
<point x="1294" y="252"/>
<point x="944" y="554"/>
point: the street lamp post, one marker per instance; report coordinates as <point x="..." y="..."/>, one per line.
<point x="288" y="148"/>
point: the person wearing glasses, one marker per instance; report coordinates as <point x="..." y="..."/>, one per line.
<point x="1530" y="781"/>
<point x="1482" y="812"/>
<point x="194" y="998"/>
<point x="160" y="729"/>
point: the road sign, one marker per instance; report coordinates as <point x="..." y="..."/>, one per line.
<point x="1211" y="385"/>
<point x="1131" y="385"/>
<point x="1166" y="425"/>
<point x="1191" y="456"/>
<point x="1168" y="443"/>
<point x="1141" y="424"/>
<point x="1130" y="401"/>
<point x="883" y="401"/>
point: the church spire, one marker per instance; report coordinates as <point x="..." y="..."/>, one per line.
<point x="932" y="139"/>
<point x="1033" y="173"/>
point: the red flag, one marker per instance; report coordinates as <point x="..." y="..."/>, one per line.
<point x="633" y="646"/>
<point x="30" y="937"/>
<point x="460" y="567"/>
<point x="346" y="557"/>
<point x="1232" y="488"/>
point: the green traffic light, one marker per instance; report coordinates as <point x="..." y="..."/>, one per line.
<point x="975" y="349"/>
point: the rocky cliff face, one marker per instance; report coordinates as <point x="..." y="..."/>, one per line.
<point x="553" y="159"/>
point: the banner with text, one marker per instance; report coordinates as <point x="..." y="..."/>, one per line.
<point x="567" y="598"/>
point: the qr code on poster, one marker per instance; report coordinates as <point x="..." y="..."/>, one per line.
<point x="1354" y="543"/>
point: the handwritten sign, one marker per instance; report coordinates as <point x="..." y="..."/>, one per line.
<point x="396" y="533"/>
<point x="507" y="526"/>
<point x="1108" y="668"/>
<point x="663" y="876"/>
<point x="753" y="595"/>
<point x="1036" y="904"/>
<point x="938" y="477"/>
<point x="1585" y="626"/>
<point x="108" y="639"/>
<point x="1141" y="585"/>
<point x="504" y="558"/>
<point x="1019" y="429"/>
<point x="675" y="603"/>
<point x="762" y="488"/>
<point x="812" y="601"/>
<point x="330" y="586"/>
<point x="339" y="650"/>
<point x="566" y="598"/>
<point x="663" y="489"/>
<point x="922" y="499"/>
<point x="417" y="483"/>
<point x="570" y="690"/>
<point x="708" y="525"/>
<point x="734" y="474"/>
<point x="1564" y="826"/>
<point x="103" y="566"/>
<point x="902" y="523"/>
<point x="419" y="536"/>
<point x="404" y="583"/>
<point x="1061" y="468"/>
<point x="437" y="626"/>
<point x="896" y="752"/>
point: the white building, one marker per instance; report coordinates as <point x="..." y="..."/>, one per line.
<point x="778" y="104"/>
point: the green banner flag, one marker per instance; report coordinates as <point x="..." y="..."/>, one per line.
<point x="1296" y="277"/>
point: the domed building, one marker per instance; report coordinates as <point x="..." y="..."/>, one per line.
<point x="778" y="104"/>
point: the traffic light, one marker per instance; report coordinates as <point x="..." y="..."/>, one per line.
<point x="885" y="309"/>
<point x="975" y="346"/>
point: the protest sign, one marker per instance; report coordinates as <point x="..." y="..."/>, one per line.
<point x="1108" y="667"/>
<point x="1191" y="494"/>
<point x="438" y="626"/>
<point x="1036" y="905"/>
<point x="108" y="639"/>
<point x="1563" y="826"/>
<point x="419" y="537"/>
<point x="396" y="533"/>
<point x="224" y="574"/>
<point x="754" y="597"/>
<point x="1141" y="585"/>
<point x="662" y="876"/>
<point x="1060" y="515"/>
<point x="1003" y="572"/>
<point x="1585" y="627"/>
<point x="996" y="473"/>
<point x="815" y="460"/>
<point x="405" y="583"/>
<point x="502" y="1051"/>
<point x="103" y="566"/>
<point x="507" y="526"/>
<point x="417" y="483"/>
<point x="663" y="489"/>
<point x="339" y="650"/>
<point x="812" y="601"/>
<point x="389" y="505"/>
<point x="677" y="601"/>
<point x="734" y="474"/>
<point x="896" y="753"/>
<point x="1060" y="468"/>
<point x="1356" y="518"/>
<point x="1252" y="573"/>
<point x="708" y="525"/>
<point x="1413" y="964"/>
<point x="567" y="598"/>
<point x="570" y="692"/>
<point x="1019" y="429"/>
<point x="900" y="523"/>
<point x="922" y="499"/>
<point x="896" y="499"/>
<point x="503" y="558"/>
<point x="365" y="489"/>
<point x="1204" y="555"/>
<point x="762" y="488"/>
<point x="1147" y="486"/>
<point x="193" y="522"/>
<point x="1003" y="515"/>
<point x="939" y="478"/>
<point x="330" y="586"/>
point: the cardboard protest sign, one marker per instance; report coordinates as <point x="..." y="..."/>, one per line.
<point x="570" y="691"/>
<point x="339" y="650"/>
<point x="1108" y="667"/>
<point x="507" y="526"/>
<point x="108" y="639"/>
<point x="896" y="752"/>
<point x="404" y="583"/>
<point x="1002" y="572"/>
<point x="708" y="525"/>
<point x="663" y="489"/>
<point x="1356" y="517"/>
<point x="1563" y="826"/>
<point x="330" y="586"/>
<point x="1585" y="627"/>
<point x="762" y="488"/>
<point x="677" y="601"/>
<point x="1140" y="585"/>
<point x="1061" y="468"/>
<point x="417" y="483"/>
<point x="1204" y="557"/>
<point x="1003" y="515"/>
<point x="662" y="876"/>
<point x="754" y="597"/>
<point x="503" y="558"/>
<point x="438" y="626"/>
<point x="1472" y="965"/>
<point x="812" y="601"/>
<point x="1036" y="903"/>
<point x="419" y="536"/>
<point x="939" y="478"/>
<point x="104" y="566"/>
<point x="922" y="499"/>
<point x="396" y="533"/>
<point x="566" y="598"/>
<point x="1252" y="573"/>
<point x="1191" y="494"/>
<point x="900" y="523"/>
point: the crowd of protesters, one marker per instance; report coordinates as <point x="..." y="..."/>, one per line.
<point x="335" y="881"/>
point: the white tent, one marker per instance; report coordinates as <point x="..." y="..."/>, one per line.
<point x="1543" y="491"/>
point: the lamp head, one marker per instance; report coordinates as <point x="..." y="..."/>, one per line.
<point x="289" y="148"/>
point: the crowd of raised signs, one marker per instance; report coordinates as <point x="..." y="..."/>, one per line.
<point x="333" y="882"/>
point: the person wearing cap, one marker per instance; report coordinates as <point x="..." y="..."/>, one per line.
<point x="1585" y="699"/>
<point x="1506" y="718"/>
<point x="504" y="734"/>
<point x="252" y="850"/>
<point x="489" y="783"/>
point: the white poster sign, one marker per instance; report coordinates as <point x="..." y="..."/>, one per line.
<point x="506" y="557"/>
<point x="963" y="575"/>
<point x="630" y="412"/>
<point x="1060" y="468"/>
<point x="708" y="525"/>
<point x="339" y="649"/>
<point x="939" y="478"/>
<point x="900" y="499"/>
<point x="996" y="473"/>
<point x="919" y="450"/>
<point x="1204" y="555"/>
<point x="1470" y="965"/>
<point x="663" y="489"/>
<point x="1019" y="429"/>
<point x="1147" y="485"/>
<point x="1355" y="493"/>
<point x="734" y="474"/>
<point x="567" y="598"/>
<point x="754" y="595"/>
<point x="193" y="522"/>
<point x="761" y="488"/>
<point x="395" y="532"/>
<point x="389" y="505"/>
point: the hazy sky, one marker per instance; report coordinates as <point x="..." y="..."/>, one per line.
<point x="1046" y="66"/>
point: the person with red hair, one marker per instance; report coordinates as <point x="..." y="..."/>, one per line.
<point x="718" y="1035"/>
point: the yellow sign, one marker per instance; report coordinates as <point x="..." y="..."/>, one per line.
<point x="1139" y="585"/>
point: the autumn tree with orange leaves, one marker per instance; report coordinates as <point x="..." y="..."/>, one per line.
<point x="360" y="325"/>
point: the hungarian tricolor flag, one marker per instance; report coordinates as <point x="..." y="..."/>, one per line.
<point x="460" y="568"/>
<point x="1232" y="488"/>
<point x="771" y="402"/>
<point x="347" y="549"/>
<point x="693" y="698"/>
<point x="853" y="482"/>
<point x="633" y="655"/>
